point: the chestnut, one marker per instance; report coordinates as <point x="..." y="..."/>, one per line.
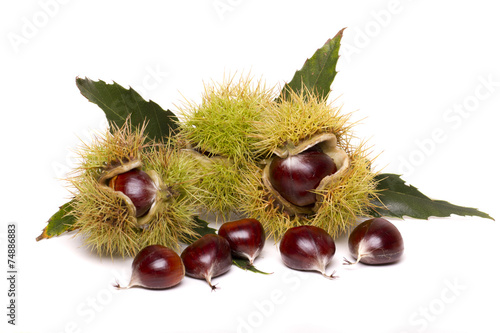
<point x="307" y="248"/>
<point x="246" y="238"/>
<point x="375" y="241"/>
<point x="208" y="257"/>
<point x="156" y="267"/>
<point x="295" y="176"/>
<point x="138" y="186"/>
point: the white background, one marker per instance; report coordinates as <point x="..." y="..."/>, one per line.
<point x="407" y="68"/>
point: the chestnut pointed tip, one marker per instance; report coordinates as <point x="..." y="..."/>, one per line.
<point x="347" y="262"/>
<point x="119" y="287"/>
<point x="331" y="276"/>
<point x="212" y="286"/>
<point x="208" y="279"/>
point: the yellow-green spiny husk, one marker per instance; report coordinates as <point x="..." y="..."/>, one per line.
<point x="173" y="223"/>
<point x="292" y="126"/>
<point x="219" y="134"/>
<point x="222" y="124"/>
<point x="105" y="218"/>
<point x="294" y="120"/>
<point x="220" y="181"/>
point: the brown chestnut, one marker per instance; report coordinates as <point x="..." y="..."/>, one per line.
<point x="208" y="257"/>
<point x="296" y="176"/>
<point x="156" y="267"/>
<point x="138" y="186"/>
<point x="307" y="248"/>
<point x="246" y="238"/>
<point x="375" y="241"/>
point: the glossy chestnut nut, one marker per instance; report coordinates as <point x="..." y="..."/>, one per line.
<point x="375" y="241"/>
<point x="156" y="267"/>
<point x="246" y="238"/>
<point x="307" y="248"/>
<point x="138" y="186"/>
<point x="296" y="176"/>
<point x="208" y="257"/>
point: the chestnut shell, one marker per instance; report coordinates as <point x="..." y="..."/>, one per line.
<point x="307" y="248"/>
<point x="376" y="241"/>
<point x="138" y="186"/>
<point x="295" y="176"/>
<point x="157" y="267"/>
<point x="323" y="142"/>
<point x="208" y="257"/>
<point x="246" y="237"/>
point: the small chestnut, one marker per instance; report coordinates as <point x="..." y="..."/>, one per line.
<point x="246" y="238"/>
<point x="296" y="176"/>
<point x="375" y="241"/>
<point x="156" y="267"/>
<point x="138" y="186"/>
<point x="208" y="257"/>
<point x="307" y="248"/>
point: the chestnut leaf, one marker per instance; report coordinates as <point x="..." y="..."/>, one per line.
<point x="245" y="265"/>
<point x="318" y="72"/>
<point x="201" y="229"/>
<point x="119" y="103"/>
<point x="399" y="199"/>
<point x="60" y="222"/>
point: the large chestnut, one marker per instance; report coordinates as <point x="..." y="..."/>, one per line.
<point x="156" y="267"/>
<point x="307" y="248"/>
<point x="208" y="257"/>
<point x="138" y="186"/>
<point x="296" y="176"/>
<point x="246" y="238"/>
<point x="375" y="241"/>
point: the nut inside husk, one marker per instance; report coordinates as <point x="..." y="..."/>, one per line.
<point x="106" y="218"/>
<point x="291" y="127"/>
<point x="327" y="143"/>
<point x="162" y="191"/>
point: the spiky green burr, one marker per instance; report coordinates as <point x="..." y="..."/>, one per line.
<point x="291" y="127"/>
<point x="218" y="132"/>
<point x="106" y="218"/>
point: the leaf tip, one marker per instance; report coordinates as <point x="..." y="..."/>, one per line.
<point x="340" y="34"/>
<point x="487" y="216"/>
<point x="43" y="235"/>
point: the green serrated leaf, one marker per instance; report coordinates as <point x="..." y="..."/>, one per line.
<point x="201" y="229"/>
<point x="245" y="265"/>
<point x="400" y="199"/>
<point x="60" y="222"/>
<point x="318" y="72"/>
<point x="119" y="103"/>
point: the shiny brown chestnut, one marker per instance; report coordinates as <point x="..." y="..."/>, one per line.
<point x="138" y="186"/>
<point x="296" y="176"/>
<point x="375" y="241"/>
<point x="246" y="238"/>
<point x="307" y="248"/>
<point x="208" y="257"/>
<point x="156" y="267"/>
